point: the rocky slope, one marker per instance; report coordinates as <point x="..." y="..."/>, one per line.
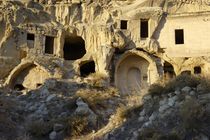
<point x="178" y="110"/>
<point x="56" y="110"/>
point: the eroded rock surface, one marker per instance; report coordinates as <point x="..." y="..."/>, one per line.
<point x="84" y="37"/>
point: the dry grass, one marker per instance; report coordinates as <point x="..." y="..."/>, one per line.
<point x="77" y="126"/>
<point x="97" y="79"/>
<point x="97" y="97"/>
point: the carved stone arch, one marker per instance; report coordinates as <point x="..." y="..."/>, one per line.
<point x="27" y="75"/>
<point x="135" y="71"/>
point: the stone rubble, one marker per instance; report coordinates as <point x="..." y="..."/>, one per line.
<point x="162" y="114"/>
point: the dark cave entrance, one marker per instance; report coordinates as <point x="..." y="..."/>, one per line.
<point x="74" y="48"/>
<point x="168" y="71"/>
<point x="19" y="87"/>
<point x="87" y="68"/>
<point x="49" y="45"/>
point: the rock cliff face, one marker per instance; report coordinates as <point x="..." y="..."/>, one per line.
<point x="122" y="41"/>
<point x="60" y="58"/>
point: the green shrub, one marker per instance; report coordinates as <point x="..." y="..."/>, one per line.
<point x="39" y="128"/>
<point x="154" y="134"/>
<point x="156" y="89"/>
<point x="205" y="85"/>
<point x="191" y="112"/>
<point x="149" y="134"/>
<point x="182" y="81"/>
<point x="179" y="82"/>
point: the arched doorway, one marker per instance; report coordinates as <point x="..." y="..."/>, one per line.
<point x="74" y="48"/>
<point x="135" y="71"/>
<point x="27" y="76"/>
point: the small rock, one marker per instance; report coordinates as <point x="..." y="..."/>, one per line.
<point x="170" y="94"/>
<point x="141" y="119"/>
<point x="58" y="127"/>
<point x="147" y="97"/>
<point x="153" y="117"/>
<point x="60" y="135"/>
<point x="146" y="124"/>
<point x="207" y="108"/>
<point x="177" y="92"/>
<point x="162" y="102"/>
<point x="199" y="88"/>
<point x="44" y="93"/>
<point x="192" y="93"/>
<point x="186" y="89"/>
<point x="63" y="114"/>
<point x="142" y="113"/>
<point x="204" y="98"/>
<point x="135" y="134"/>
<point x="122" y="129"/>
<point x="52" y="135"/>
<point x="171" y="101"/>
<point x="49" y="98"/>
<point x="163" y="108"/>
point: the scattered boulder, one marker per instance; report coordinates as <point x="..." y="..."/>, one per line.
<point x="58" y="127"/>
<point x="186" y="89"/>
<point x="53" y="135"/>
<point x="50" y="97"/>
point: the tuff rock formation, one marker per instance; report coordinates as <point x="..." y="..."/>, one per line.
<point x="130" y="44"/>
<point x="60" y="58"/>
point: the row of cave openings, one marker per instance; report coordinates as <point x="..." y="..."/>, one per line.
<point x="74" y="48"/>
<point x="169" y="71"/>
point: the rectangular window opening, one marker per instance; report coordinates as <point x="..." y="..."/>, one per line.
<point x="49" y="45"/>
<point x="179" y="36"/>
<point x="124" y="24"/>
<point x="30" y="37"/>
<point x="144" y="28"/>
<point x="197" y="70"/>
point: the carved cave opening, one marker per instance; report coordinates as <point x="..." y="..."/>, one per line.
<point x="30" y="37"/>
<point x="179" y="36"/>
<point x="123" y="24"/>
<point x="197" y="70"/>
<point x="19" y="87"/>
<point x="74" y="48"/>
<point x="87" y="68"/>
<point x="49" y="45"/>
<point x="168" y="71"/>
<point x="144" y="33"/>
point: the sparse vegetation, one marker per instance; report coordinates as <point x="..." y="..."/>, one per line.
<point x="191" y="113"/>
<point x="39" y="128"/>
<point x="97" y="97"/>
<point x="180" y="82"/>
<point x="97" y="80"/>
<point x="78" y="125"/>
